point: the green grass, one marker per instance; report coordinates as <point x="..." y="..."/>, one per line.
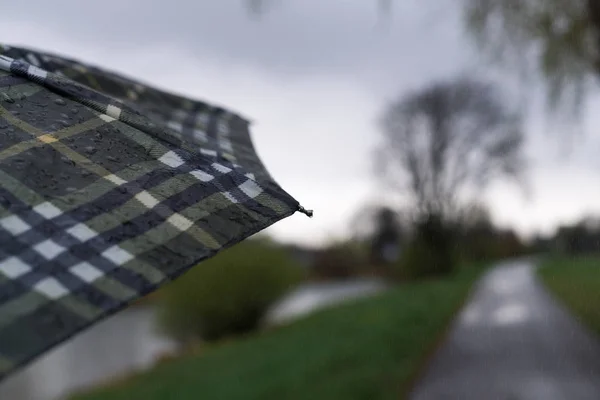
<point x="576" y="282"/>
<point x="368" y="349"/>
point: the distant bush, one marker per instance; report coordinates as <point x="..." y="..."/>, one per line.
<point x="430" y="251"/>
<point x="477" y="246"/>
<point x="228" y="294"/>
<point x="340" y="261"/>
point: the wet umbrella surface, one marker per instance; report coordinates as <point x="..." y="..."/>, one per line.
<point x="109" y="188"/>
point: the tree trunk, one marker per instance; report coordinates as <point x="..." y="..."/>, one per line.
<point x="594" y="16"/>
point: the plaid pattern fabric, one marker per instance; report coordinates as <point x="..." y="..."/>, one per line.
<point x="109" y="188"/>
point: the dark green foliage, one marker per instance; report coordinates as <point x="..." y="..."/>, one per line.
<point x="477" y="245"/>
<point x="576" y="282"/>
<point x="340" y="261"/>
<point x="387" y="234"/>
<point x="580" y="238"/>
<point x="228" y="294"/>
<point x="430" y="252"/>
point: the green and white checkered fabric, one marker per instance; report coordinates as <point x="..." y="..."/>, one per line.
<point x="108" y="189"/>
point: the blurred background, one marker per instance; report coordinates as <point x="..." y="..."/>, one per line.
<point x="434" y="139"/>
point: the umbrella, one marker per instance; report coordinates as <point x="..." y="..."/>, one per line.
<point x="108" y="189"/>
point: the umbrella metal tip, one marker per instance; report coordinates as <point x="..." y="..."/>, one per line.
<point x="303" y="210"/>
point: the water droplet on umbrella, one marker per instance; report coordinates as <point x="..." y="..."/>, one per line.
<point x="111" y="158"/>
<point x="74" y="110"/>
<point x="67" y="160"/>
<point x="3" y="124"/>
<point x="85" y="173"/>
<point x="7" y="98"/>
<point x="90" y="149"/>
<point x="63" y="123"/>
<point x="60" y="102"/>
<point x="15" y="113"/>
<point x="65" y="116"/>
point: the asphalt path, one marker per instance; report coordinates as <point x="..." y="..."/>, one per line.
<point x="514" y="341"/>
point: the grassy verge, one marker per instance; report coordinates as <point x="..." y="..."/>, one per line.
<point x="367" y="349"/>
<point x="576" y="281"/>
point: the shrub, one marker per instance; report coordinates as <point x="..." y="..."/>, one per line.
<point x="228" y="294"/>
<point x="340" y="261"/>
<point x="430" y="252"/>
<point x="477" y="246"/>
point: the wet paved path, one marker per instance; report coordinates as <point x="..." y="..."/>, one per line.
<point x="513" y="341"/>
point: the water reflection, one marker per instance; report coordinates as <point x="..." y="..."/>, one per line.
<point x="309" y="297"/>
<point x="124" y="342"/>
<point x="471" y="315"/>
<point x="510" y="314"/>
<point x="506" y="302"/>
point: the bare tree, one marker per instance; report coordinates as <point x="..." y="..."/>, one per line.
<point x="559" y="39"/>
<point x="473" y="216"/>
<point x="445" y="139"/>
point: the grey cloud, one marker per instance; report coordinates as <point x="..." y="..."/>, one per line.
<point x="295" y="38"/>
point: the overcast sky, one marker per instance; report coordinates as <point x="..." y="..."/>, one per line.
<point x="313" y="75"/>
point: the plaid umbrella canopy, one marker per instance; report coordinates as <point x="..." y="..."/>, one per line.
<point x="108" y="189"/>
